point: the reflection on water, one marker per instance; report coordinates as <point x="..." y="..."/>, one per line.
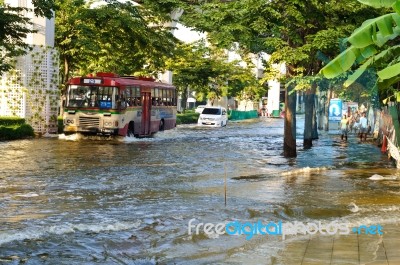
<point x="74" y="200"/>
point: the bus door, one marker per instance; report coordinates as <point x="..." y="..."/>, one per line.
<point x="146" y="113"/>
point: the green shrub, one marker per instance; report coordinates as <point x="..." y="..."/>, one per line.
<point x="60" y="124"/>
<point x="187" y="118"/>
<point x="10" y="121"/>
<point x="14" y="132"/>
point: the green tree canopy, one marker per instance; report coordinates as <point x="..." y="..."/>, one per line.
<point x="207" y="71"/>
<point x="116" y="37"/>
<point x="372" y="46"/>
<point x="294" y="32"/>
<point x="14" y="28"/>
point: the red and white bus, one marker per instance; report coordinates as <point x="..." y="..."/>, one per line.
<point x="108" y="104"/>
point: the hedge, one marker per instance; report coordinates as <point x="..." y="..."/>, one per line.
<point x="16" y="132"/>
<point x="187" y="117"/>
<point x="11" y="121"/>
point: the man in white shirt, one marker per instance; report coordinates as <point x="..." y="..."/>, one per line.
<point x="363" y="127"/>
<point x="344" y="126"/>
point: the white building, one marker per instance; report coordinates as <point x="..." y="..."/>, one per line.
<point x="31" y="91"/>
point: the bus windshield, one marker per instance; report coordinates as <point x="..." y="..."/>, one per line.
<point x="92" y="96"/>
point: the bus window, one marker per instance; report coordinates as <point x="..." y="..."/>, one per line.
<point x="92" y="97"/>
<point x="123" y="98"/>
<point x="169" y="97"/>
<point x="133" y="96"/>
<point x="165" y="97"/>
<point x="107" y="97"/>
<point x="128" y="97"/>
<point x="81" y="96"/>
<point x="75" y="96"/>
<point x="138" y="98"/>
<point x="161" y="96"/>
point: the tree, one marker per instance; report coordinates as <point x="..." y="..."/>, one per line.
<point x="293" y="32"/>
<point x="15" y="27"/>
<point x="116" y="37"/>
<point x="206" y="71"/>
<point x="373" y="46"/>
<point x="73" y="36"/>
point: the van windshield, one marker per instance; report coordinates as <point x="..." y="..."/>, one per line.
<point x="211" y="111"/>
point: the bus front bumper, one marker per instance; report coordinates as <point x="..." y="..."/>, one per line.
<point x="68" y="129"/>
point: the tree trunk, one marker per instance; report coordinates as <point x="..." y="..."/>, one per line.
<point x="289" y="141"/>
<point x="308" y="99"/>
<point x="321" y="111"/>
<point x="314" y="120"/>
<point x="66" y="70"/>
<point x="184" y="98"/>
<point x="328" y="100"/>
<point x="64" y="90"/>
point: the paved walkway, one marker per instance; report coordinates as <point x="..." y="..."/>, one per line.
<point x="348" y="249"/>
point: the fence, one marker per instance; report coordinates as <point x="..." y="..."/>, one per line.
<point x="243" y="115"/>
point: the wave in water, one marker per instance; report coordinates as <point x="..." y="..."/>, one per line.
<point x="72" y="137"/>
<point x="379" y="177"/>
<point x="304" y="170"/>
<point x="40" y="232"/>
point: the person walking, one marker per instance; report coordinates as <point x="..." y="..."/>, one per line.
<point x="363" y="127"/>
<point x="344" y="123"/>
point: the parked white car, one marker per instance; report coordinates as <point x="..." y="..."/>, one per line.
<point x="200" y="108"/>
<point x="213" y="116"/>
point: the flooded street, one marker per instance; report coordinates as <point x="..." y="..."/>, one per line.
<point x="129" y="201"/>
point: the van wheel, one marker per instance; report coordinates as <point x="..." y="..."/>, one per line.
<point x="161" y="127"/>
<point x="131" y="129"/>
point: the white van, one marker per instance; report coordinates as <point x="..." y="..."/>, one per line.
<point x="213" y="116"/>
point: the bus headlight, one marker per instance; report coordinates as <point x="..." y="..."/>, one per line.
<point x="68" y="121"/>
<point x="107" y="124"/>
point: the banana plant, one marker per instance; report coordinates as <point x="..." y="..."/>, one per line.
<point x="366" y="42"/>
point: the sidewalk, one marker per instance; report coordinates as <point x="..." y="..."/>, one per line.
<point x="348" y="249"/>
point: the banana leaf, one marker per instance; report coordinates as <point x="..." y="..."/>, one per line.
<point x="346" y="59"/>
<point x="376" y="31"/>
<point x="375" y="60"/>
<point x="378" y="3"/>
<point x="384" y="84"/>
<point x="389" y="72"/>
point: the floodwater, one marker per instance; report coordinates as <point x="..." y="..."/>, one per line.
<point x="129" y="201"/>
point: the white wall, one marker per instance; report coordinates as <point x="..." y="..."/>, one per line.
<point x="32" y="89"/>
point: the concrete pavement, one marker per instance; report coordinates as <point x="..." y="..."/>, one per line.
<point x="345" y="249"/>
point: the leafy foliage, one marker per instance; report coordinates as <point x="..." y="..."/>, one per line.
<point x="115" y="37"/>
<point x="207" y="71"/>
<point x="370" y="49"/>
<point x="14" y="29"/>
<point x="44" y="8"/>
<point x="294" y="32"/>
